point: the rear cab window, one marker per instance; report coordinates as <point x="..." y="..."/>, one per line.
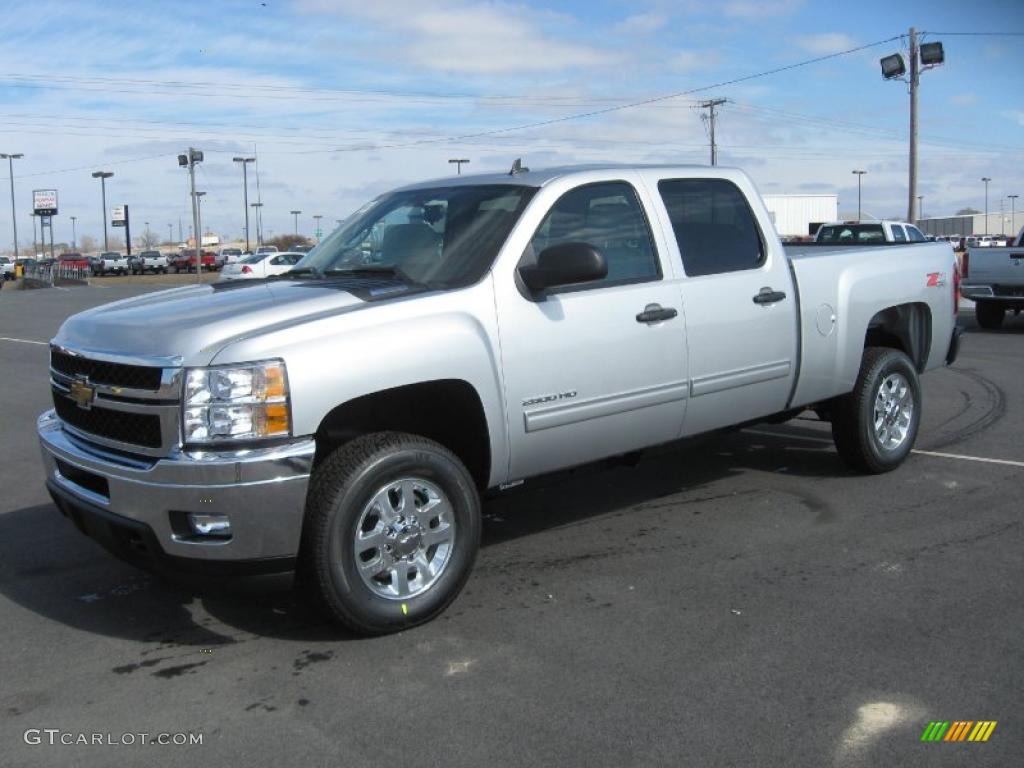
<point x="898" y="235"/>
<point x="715" y="229"/>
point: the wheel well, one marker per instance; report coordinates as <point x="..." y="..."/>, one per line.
<point x="907" y="327"/>
<point x="448" y="411"/>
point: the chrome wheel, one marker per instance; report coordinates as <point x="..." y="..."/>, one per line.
<point x="404" y="538"/>
<point x="893" y="411"/>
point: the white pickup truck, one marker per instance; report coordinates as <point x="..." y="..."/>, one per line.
<point x="868" y="232"/>
<point x="994" y="279"/>
<point x="466" y="334"/>
<point x="109" y="263"/>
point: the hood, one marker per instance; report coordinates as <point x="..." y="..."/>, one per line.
<point x="192" y="324"/>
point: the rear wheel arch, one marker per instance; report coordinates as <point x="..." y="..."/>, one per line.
<point x="906" y="327"/>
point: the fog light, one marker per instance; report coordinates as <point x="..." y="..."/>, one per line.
<point x="213" y="526"/>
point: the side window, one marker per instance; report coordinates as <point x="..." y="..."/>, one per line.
<point x="898" y="234"/>
<point x="714" y="226"/>
<point x="607" y="216"/>
<point x="915" y="235"/>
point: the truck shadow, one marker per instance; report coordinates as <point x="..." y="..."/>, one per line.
<point x="50" y="569"/>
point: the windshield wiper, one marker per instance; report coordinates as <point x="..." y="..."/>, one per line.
<point x="370" y="272"/>
<point x="300" y="272"/>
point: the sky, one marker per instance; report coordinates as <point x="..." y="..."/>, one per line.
<point x="341" y="100"/>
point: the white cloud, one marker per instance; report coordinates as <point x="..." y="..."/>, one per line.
<point x="759" y="9"/>
<point x="826" y="42"/>
<point x="462" y="36"/>
<point x="642" y="23"/>
<point x="694" y="61"/>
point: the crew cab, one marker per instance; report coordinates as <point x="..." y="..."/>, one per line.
<point x="147" y="261"/>
<point x="185" y="261"/>
<point x="109" y="262"/>
<point x="7" y="267"/>
<point x="868" y="232"/>
<point x="993" y="278"/>
<point x="464" y="335"/>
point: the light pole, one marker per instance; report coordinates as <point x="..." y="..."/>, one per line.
<point x="296" y="215"/>
<point x="103" y="176"/>
<point x="10" y="158"/>
<point x="316" y="218"/>
<point x="920" y="207"/>
<point x="189" y="161"/>
<point x="1013" y="214"/>
<point x="859" y="174"/>
<point x="170" y="233"/>
<point x="458" y="163"/>
<point x="245" y="191"/>
<point x="74" y="235"/>
<point x="259" y="222"/>
<point x="986" y="179"/>
<point x="922" y="57"/>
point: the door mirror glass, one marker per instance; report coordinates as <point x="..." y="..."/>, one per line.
<point x="564" y="264"/>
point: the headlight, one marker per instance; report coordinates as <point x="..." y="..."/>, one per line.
<point x="239" y="402"/>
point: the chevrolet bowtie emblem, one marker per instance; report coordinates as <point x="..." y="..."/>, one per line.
<point x="82" y="393"/>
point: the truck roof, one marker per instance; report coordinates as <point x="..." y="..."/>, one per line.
<point x="541" y="176"/>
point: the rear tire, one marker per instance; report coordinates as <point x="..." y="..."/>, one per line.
<point x="989" y="314"/>
<point x="391" y="532"/>
<point x="874" y="426"/>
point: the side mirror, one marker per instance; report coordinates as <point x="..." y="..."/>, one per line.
<point x="565" y="264"/>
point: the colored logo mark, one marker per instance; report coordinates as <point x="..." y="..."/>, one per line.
<point x="958" y="730"/>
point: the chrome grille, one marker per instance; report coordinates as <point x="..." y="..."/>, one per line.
<point x="126" y="406"/>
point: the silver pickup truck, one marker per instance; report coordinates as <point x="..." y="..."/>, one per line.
<point x="462" y="335"/>
<point x="994" y="279"/>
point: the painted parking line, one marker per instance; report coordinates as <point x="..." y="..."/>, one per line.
<point x="935" y="454"/>
<point x="25" y="341"/>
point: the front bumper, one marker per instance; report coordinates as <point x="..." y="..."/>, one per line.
<point x="134" y="506"/>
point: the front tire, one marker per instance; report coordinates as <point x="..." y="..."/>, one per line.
<point x="989" y="314"/>
<point x="874" y="426"/>
<point x="391" y="532"/>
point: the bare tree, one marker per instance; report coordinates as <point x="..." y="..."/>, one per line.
<point x="147" y="240"/>
<point x="87" y="244"/>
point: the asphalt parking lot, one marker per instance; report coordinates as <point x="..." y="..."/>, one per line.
<point x="742" y="599"/>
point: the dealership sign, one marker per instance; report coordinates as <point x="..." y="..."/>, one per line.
<point x="118" y="214"/>
<point x="44" y="202"/>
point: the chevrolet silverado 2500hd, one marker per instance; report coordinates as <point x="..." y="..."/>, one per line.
<point x="994" y="279"/>
<point x="460" y="335"/>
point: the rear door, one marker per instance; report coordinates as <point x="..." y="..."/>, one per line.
<point x="738" y="298"/>
<point x="597" y="369"/>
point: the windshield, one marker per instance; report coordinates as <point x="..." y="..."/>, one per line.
<point x="439" y="237"/>
<point x="851" y="233"/>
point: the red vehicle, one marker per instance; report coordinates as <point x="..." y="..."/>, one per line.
<point x="73" y="260"/>
<point x="186" y="261"/>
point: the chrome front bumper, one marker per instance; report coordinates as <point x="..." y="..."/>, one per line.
<point x="262" y="491"/>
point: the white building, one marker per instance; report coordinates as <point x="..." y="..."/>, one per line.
<point x="801" y="214"/>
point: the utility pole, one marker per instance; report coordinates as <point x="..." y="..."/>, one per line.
<point x="1013" y="214"/>
<point x="74" y="235"/>
<point x="920" y="207"/>
<point x="710" y="105"/>
<point x="259" y="222"/>
<point x="180" y="237"/>
<point x="986" y="179"/>
<point x="10" y="158"/>
<point x="170" y="231"/>
<point x="35" y="243"/>
<point x="458" y="163"/>
<point x="317" y="218"/>
<point x="103" y="176"/>
<point x="915" y="80"/>
<point x="296" y="215"/>
<point x="245" y="192"/>
<point x="859" y="175"/>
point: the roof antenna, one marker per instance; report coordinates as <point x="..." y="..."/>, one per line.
<point x="517" y="167"/>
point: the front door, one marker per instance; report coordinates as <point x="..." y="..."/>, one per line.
<point x="587" y="373"/>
